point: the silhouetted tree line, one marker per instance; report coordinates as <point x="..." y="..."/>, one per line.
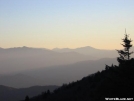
<point x="113" y="82"/>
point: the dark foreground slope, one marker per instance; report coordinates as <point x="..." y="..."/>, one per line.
<point x="114" y="81"/>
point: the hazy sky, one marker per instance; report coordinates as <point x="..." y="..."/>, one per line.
<point x="65" y="23"/>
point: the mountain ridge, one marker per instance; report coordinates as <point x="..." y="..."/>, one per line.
<point x="18" y="59"/>
<point x="17" y="94"/>
<point x="61" y="74"/>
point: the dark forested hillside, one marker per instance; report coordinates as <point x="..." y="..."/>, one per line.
<point x="114" y="81"/>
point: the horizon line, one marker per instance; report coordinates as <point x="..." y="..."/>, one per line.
<point x="56" y="47"/>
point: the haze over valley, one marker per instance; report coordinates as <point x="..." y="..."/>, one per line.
<point x="25" y="67"/>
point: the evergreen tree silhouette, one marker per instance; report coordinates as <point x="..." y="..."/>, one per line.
<point x="125" y="54"/>
<point x="27" y="98"/>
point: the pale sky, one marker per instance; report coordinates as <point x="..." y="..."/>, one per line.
<point x="65" y="23"/>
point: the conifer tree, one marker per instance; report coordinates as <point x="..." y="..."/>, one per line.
<point x="125" y="54"/>
<point x="27" y="98"/>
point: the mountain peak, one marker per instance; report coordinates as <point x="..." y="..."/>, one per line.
<point x="88" y="47"/>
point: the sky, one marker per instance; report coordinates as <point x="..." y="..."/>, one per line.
<point x="65" y="23"/>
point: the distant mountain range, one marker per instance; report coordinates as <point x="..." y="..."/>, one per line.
<point x="97" y="53"/>
<point x="25" y="58"/>
<point x="20" y="81"/>
<point x="56" y="75"/>
<point x="25" y="67"/>
<point x="14" y="94"/>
